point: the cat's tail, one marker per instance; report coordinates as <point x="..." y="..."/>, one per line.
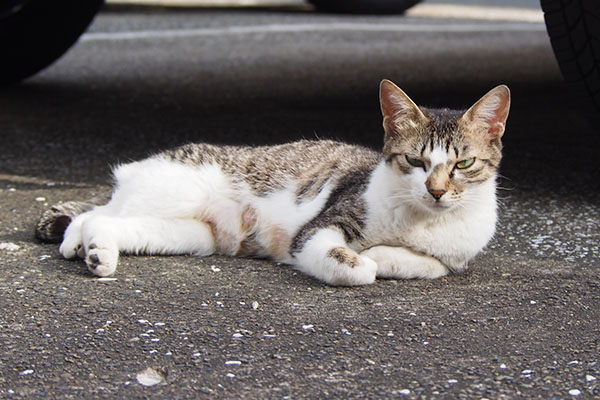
<point x="53" y="222"/>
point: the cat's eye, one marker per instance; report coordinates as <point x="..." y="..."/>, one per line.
<point x="415" y="162"/>
<point x="465" y="163"/>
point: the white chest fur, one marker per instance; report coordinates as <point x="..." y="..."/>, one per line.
<point x="452" y="236"/>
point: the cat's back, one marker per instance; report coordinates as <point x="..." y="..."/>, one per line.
<point x="307" y="163"/>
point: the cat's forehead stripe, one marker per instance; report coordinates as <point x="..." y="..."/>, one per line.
<point x="438" y="156"/>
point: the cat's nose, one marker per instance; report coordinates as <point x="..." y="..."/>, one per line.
<point x="437" y="193"/>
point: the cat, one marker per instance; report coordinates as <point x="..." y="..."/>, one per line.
<point x="344" y="214"/>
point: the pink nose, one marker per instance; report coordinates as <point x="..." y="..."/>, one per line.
<point x="437" y="193"/>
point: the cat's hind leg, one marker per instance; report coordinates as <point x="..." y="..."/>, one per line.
<point x="103" y="237"/>
<point x="403" y="263"/>
<point x="72" y="244"/>
<point x="326" y="256"/>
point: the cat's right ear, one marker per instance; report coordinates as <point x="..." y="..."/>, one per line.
<point x="399" y="111"/>
<point x="489" y="114"/>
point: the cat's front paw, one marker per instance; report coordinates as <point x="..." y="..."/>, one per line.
<point x="403" y="263"/>
<point x="102" y="261"/>
<point x="351" y="269"/>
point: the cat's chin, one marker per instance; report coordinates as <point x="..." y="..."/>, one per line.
<point x="438" y="206"/>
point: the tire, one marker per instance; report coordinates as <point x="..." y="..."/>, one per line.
<point x="574" y="29"/>
<point x="35" y="33"/>
<point x="364" y="6"/>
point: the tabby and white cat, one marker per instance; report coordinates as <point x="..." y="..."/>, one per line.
<point x="343" y="214"/>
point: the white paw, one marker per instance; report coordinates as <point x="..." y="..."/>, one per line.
<point x="102" y="261"/>
<point x="365" y="274"/>
<point x="72" y="244"/>
<point x="362" y="272"/>
<point x="403" y="263"/>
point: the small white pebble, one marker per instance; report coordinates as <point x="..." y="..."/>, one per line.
<point x="26" y="372"/>
<point x="159" y="324"/>
<point x="12" y="190"/>
<point x="168" y="353"/>
<point x="404" y="392"/>
<point x="142" y="321"/>
<point x="412" y="314"/>
<point x="40" y="198"/>
<point x="233" y="362"/>
<point x="527" y="372"/>
<point x="105" y="279"/>
<point x="346" y="332"/>
<point x="237" y="335"/>
<point x="214" y="268"/>
<point x="149" y="377"/>
<point x="255" y="305"/>
<point x="452" y="381"/>
<point x="196" y="355"/>
<point x="574" y="362"/>
<point x="502" y="366"/>
<point x="9" y="246"/>
<point x="590" y="378"/>
<point x="230" y="375"/>
<point x="307" y="327"/>
<point x="533" y="302"/>
<point x="574" y="392"/>
<point x="155" y="340"/>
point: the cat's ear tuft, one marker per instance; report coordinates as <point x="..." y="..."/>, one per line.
<point x="491" y="112"/>
<point x="398" y="110"/>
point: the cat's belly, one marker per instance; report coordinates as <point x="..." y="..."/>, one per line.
<point x="280" y="215"/>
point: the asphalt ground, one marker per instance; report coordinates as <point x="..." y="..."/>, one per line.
<point x="521" y="323"/>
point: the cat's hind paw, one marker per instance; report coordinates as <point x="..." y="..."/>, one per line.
<point x="102" y="261"/>
<point x="72" y="246"/>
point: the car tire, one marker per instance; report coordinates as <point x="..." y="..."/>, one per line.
<point x="35" y="33"/>
<point x="364" y="6"/>
<point x="574" y="29"/>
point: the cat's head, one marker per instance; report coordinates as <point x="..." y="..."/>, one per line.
<point x="444" y="154"/>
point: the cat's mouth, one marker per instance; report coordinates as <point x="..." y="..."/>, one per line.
<point x="439" y="205"/>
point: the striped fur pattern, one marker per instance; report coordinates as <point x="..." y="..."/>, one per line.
<point x="343" y="214"/>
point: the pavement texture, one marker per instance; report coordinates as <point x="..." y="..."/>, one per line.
<point x="521" y="323"/>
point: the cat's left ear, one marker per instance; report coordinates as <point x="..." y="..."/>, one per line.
<point x="490" y="112"/>
<point x="400" y="113"/>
